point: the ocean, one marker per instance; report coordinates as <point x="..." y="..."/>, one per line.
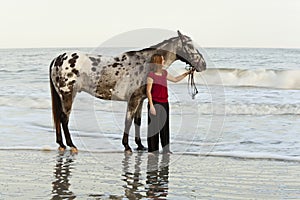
<point x="248" y="106"/>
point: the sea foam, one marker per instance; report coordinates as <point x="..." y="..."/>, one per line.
<point x="281" y="79"/>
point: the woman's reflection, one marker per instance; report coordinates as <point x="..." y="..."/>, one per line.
<point x="62" y="172"/>
<point x="157" y="176"/>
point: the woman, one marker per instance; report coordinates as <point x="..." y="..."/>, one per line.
<point x="158" y="105"/>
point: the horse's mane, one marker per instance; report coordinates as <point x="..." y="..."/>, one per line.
<point x="153" y="47"/>
<point x="163" y="42"/>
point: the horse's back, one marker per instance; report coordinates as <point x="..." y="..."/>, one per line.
<point x="105" y="77"/>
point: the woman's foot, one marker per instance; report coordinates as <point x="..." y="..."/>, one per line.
<point x="153" y="153"/>
<point x="167" y="152"/>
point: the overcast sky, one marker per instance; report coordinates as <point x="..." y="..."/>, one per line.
<point x="211" y="23"/>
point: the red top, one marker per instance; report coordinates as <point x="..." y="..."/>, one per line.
<point x="159" y="90"/>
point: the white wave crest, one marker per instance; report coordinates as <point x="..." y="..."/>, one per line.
<point x="281" y="79"/>
<point x="239" y="109"/>
<point x="262" y="109"/>
<point x="246" y="155"/>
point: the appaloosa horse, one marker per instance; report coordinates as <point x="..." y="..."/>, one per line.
<point x="121" y="78"/>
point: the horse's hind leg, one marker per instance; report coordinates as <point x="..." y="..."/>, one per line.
<point x="59" y="139"/>
<point x="57" y="113"/>
<point x="65" y="122"/>
<point x="67" y="106"/>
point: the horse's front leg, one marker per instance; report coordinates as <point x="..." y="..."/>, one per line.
<point x="137" y="124"/>
<point x="128" y="122"/>
<point x="134" y="110"/>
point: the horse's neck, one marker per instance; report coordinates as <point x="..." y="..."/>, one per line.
<point x="169" y="58"/>
<point x="167" y="50"/>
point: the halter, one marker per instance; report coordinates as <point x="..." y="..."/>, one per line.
<point x="192" y="89"/>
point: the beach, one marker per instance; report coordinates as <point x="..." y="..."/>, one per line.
<point x="48" y="174"/>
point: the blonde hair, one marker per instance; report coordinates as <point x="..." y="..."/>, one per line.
<point x="156" y="60"/>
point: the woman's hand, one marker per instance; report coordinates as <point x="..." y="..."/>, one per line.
<point x="152" y="110"/>
<point x="191" y="71"/>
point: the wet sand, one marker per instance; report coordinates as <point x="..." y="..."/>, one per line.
<point x="37" y="174"/>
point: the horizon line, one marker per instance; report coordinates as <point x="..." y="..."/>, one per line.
<point x="202" y="47"/>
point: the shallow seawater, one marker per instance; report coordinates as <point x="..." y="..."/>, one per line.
<point x="32" y="174"/>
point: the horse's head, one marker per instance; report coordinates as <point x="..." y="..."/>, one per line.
<point x="189" y="54"/>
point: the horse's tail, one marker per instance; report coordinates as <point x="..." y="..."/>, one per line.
<point x="56" y="103"/>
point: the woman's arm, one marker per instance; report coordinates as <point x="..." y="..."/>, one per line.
<point x="178" y="78"/>
<point x="148" y="92"/>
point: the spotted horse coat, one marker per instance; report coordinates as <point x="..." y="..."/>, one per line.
<point x="121" y="78"/>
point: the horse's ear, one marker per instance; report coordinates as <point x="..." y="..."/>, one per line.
<point x="179" y="33"/>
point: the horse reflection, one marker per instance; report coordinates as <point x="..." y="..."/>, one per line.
<point x="62" y="172"/>
<point x="132" y="179"/>
<point x="157" y="177"/>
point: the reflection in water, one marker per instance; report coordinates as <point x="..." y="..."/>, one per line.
<point x="157" y="177"/>
<point x="132" y="179"/>
<point x="62" y="173"/>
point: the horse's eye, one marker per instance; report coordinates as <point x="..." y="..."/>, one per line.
<point x="190" y="46"/>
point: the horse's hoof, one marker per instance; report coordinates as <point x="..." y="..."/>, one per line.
<point x="74" y="150"/>
<point x="61" y="149"/>
<point x="128" y="150"/>
<point x="142" y="148"/>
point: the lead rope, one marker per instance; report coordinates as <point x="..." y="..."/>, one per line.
<point x="192" y="89"/>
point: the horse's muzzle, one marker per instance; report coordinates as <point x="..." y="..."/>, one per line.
<point x="200" y="66"/>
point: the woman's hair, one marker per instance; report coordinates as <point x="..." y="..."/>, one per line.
<point x="156" y="59"/>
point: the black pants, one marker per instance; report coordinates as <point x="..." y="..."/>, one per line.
<point x="158" y="125"/>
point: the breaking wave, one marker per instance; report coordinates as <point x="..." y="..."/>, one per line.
<point x="232" y="154"/>
<point x="243" y="109"/>
<point x="182" y="108"/>
<point x="280" y="79"/>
